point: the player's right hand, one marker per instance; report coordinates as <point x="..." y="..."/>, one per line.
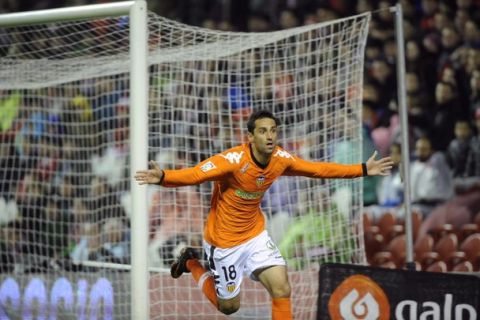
<point x="150" y="176"/>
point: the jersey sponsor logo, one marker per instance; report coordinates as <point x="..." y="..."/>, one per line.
<point x="208" y="166"/>
<point x="359" y="298"/>
<point x="260" y="181"/>
<point x="248" y="195"/>
<point x="283" y="154"/>
<point x="233" y="157"/>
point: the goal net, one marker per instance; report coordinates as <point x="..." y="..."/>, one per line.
<point x="65" y="181"/>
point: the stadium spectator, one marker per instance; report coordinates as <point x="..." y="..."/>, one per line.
<point x="31" y="202"/>
<point x="316" y="234"/>
<point x="473" y="161"/>
<point x="474" y="92"/>
<point x="445" y="114"/>
<point x="116" y="245"/>
<point x="104" y="202"/>
<point x="383" y="79"/>
<point x="106" y="97"/>
<point x="11" y="260"/>
<point x="48" y="159"/>
<point x="459" y="148"/>
<point x="10" y="163"/>
<point x="390" y="188"/>
<point x="8" y="210"/>
<point x="450" y="40"/>
<point x="88" y="244"/>
<point x="9" y="108"/>
<point x="472" y="34"/>
<point x="65" y="193"/>
<point x="344" y="151"/>
<point x="79" y="211"/>
<point x="288" y="19"/>
<point x="428" y="8"/>
<point x="431" y="179"/>
<point x="56" y="230"/>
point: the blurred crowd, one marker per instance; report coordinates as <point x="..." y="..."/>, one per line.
<point x="61" y="198"/>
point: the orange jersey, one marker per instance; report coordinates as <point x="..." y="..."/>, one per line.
<point x="240" y="182"/>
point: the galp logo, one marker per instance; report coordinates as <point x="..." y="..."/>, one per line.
<point x="359" y="298"/>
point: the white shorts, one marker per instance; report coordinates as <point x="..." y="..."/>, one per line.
<point x="228" y="265"/>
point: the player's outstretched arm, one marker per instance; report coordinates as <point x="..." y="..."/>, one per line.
<point x="379" y="167"/>
<point x="150" y="176"/>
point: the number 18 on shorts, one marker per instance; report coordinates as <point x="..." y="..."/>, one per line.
<point x="230" y="264"/>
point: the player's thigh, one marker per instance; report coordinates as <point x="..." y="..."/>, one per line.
<point x="275" y="280"/>
<point x="226" y="266"/>
<point x="267" y="265"/>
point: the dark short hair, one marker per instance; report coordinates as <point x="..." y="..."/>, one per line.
<point x="260" y="114"/>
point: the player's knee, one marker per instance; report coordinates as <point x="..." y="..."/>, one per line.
<point x="281" y="290"/>
<point x="229" y="307"/>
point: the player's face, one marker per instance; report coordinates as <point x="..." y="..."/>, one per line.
<point x="264" y="136"/>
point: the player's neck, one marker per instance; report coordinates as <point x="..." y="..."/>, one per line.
<point x="258" y="157"/>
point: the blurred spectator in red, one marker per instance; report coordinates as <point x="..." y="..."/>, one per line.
<point x="428" y="8"/>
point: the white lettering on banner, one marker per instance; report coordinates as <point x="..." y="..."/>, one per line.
<point x="62" y="295"/>
<point x="283" y="154"/>
<point x="432" y="310"/>
<point x="366" y="308"/>
<point x="233" y="157"/>
<point x="9" y="291"/>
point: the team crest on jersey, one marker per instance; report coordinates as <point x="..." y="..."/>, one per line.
<point x="208" y="166"/>
<point x="231" y="287"/>
<point x="260" y="180"/>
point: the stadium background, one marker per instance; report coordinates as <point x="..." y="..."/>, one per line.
<point x="442" y="54"/>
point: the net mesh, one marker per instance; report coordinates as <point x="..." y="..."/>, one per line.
<point x="64" y="99"/>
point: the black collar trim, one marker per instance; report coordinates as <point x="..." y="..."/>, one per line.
<point x="263" y="166"/>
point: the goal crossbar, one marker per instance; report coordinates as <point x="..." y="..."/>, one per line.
<point x="66" y="14"/>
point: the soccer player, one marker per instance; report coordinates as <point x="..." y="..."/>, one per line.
<point x="235" y="239"/>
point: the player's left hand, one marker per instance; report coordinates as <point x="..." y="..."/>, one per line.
<point x="380" y="167"/>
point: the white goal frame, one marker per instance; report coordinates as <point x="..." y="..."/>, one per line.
<point x="137" y="12"/>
